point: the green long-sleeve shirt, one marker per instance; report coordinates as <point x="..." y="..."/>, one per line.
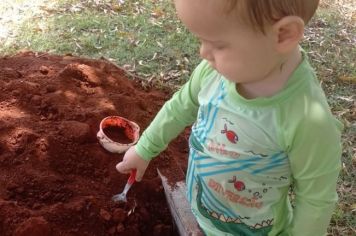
<point x="253" y="149"/>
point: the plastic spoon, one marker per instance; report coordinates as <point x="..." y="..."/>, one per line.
<point x="121" y="197"/>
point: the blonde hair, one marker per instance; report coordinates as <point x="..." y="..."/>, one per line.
<point x="259" y="13"/>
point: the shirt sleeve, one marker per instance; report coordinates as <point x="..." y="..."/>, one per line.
<point x="315" y="151"/>
<point x="177" y="113"/>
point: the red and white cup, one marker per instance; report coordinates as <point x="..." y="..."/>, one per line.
<point x="131" y="131"/>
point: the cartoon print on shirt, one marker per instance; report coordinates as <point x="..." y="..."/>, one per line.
<point x="224" y="118"/>
<point x="265" y="189"/>
<point x="258" y="194"/>
<point x="238" y="185"/>
<point x="230" y="135"/>
<point x="259" y="154"/>
<point x="281" y="178"/>
<point x="261" y="227"/>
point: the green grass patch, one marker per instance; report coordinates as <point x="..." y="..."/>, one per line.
<point x="329" y="41"/>
<point x="147" y="38"/>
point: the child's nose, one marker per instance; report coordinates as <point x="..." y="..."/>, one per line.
<point x="205" y="52"/>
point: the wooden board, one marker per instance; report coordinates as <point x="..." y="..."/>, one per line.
<point x="180" y="208"/>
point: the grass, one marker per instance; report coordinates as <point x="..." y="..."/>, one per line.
<point x="145" y="37"/>
<point x="330" y="41"/>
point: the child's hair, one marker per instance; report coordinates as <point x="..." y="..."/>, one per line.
<point x="259" y="13"/>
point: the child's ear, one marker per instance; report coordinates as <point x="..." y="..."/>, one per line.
<point x="288" y="32"/>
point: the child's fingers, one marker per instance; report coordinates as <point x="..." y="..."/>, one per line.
<point x="123" y="168"/>
<point x="139" y="174"/>
<point x="132" y="161"/>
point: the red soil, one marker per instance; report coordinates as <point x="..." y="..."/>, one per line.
<point x="117" y="134"/>
<point x="55" y="178"/>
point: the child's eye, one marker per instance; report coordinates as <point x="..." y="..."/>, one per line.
<point x="213" y="45"/>
<point x="220" y="47"/>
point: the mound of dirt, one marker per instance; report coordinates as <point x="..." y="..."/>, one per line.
<point x="55" y="178"/>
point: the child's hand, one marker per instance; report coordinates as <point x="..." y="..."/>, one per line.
<point x="131" y="161"/>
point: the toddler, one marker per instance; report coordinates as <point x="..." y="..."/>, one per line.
<point x="260" y="122"/>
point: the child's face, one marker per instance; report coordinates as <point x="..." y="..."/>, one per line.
<point x="234" y="49"/>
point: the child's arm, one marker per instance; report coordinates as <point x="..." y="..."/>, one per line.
<point x="177" y="113"/>
<point x="315" y="163"/>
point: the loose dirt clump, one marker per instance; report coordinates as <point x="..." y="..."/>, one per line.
<point x="55" y="178"/>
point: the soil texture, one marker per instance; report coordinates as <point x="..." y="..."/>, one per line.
<point x="55" y="178"/>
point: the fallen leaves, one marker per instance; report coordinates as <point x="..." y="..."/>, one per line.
<point x="351" y="79"/>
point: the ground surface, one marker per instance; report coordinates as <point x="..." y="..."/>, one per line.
<point x="55" y="178"/>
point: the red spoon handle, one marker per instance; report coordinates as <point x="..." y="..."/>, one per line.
<point x="132" y="177"/>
